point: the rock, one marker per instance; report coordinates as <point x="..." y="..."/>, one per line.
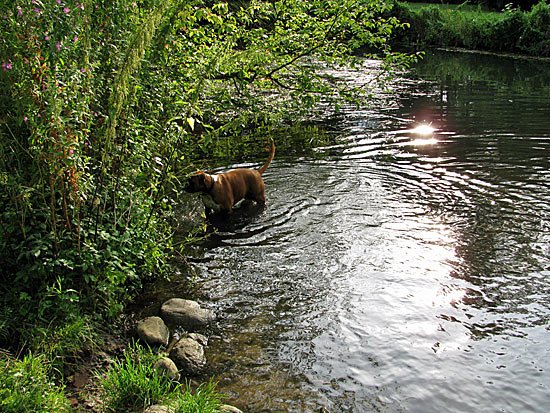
<point x="157" y="408"/>
<point x="185" y="313"/>
<point x="226" y="408"/>
<point x="153" y="331"/>
<point x="188" y="355"/>
<point x="199" y="338"/>
<point x="167" y="368"/>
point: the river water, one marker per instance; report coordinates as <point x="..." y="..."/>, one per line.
<point x="397" y="271"/>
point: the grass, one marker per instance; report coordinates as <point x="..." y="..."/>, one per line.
<point x="132" y="384"/>
<point x="26" y="386"/>
<point x="35" y="382"/>
<point x="205" y="399"/>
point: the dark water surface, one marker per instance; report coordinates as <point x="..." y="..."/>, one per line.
<point x="398" y="272"/>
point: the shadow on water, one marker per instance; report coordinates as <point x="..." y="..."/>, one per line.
<point x="397" y="270"/>
<point x="242" y="215"/>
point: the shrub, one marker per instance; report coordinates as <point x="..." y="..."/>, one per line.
<point x="82" y="227"/>
<point x="535" y="39"/>
<point x="510" y="31"/>
<point x="507" y="31"/>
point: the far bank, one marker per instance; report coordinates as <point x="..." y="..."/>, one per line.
<point x="472" y="27"/>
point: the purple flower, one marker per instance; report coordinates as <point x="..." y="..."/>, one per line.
<point x="7" y="66"/>
<point x="58" y="2"/>
<point x="47" y="38"/>
<point x="19" y="11"/>
<point x="75" y="39"/>
<point x="71" y="151"/>
<point x="58" y="46"/>
<point x="66" y="10"/>
<point x="25" y="119"/>
<point x="37" y="10"/>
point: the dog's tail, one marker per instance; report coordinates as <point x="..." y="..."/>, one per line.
<point x="271" y="156"/>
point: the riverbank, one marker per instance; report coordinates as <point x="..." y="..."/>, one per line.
<point x="470" y="27"/>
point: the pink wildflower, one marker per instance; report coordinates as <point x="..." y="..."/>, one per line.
<point x="25" y="119"/>
<point x="58" y="2"/>
<point x="66" y="10"/>
<point x="6" y="66"/>
<point x="75" y="39"/>
<point x="71" y="151"/>
<point x="19" y="11"/>
<point x="47" y="38"/>
<point x="58" y="46"/>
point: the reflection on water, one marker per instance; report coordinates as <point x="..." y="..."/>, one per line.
<point x="407" y="270"/>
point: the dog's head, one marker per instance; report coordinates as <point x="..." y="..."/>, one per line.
<point x="198" y="182"/>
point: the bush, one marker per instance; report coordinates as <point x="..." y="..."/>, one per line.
<point x="83" y="227"/>
<point x="535" y="39"/>
<point x="510" y="31"/>
<point x="506" y="32"/>
<point x="25" y="386"/>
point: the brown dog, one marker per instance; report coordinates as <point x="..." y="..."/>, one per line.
<point x="222" y="191"/>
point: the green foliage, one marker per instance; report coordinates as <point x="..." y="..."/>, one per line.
<point x="512" y="30"/>
<point x="105" y="104"/>
<point x="132" y="383"/>
<point x="25" y="386"/>
<point x="80" y="229"/>
<point x="204" y="399"/>
<point x="535" y="39"/>
<point x="63" y="345"/>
